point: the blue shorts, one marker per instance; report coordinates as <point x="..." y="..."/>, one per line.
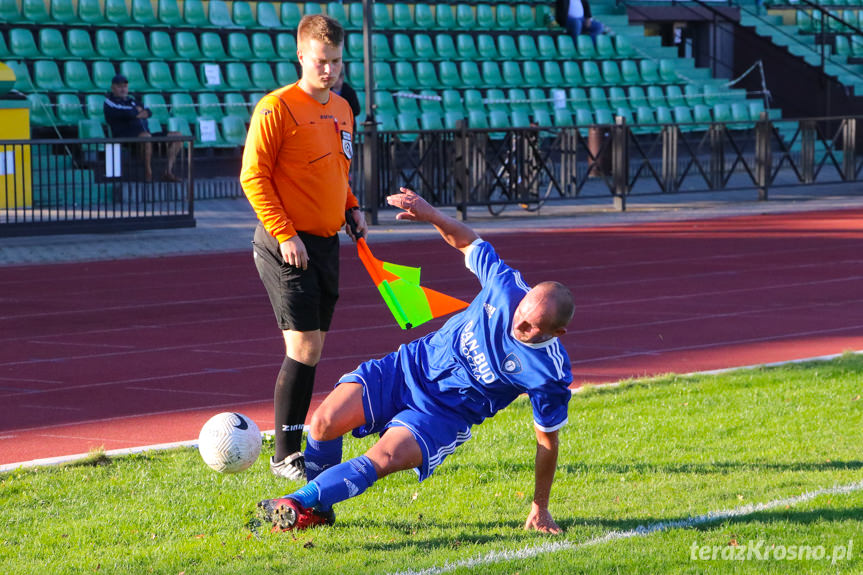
<point x="389" y="402"/>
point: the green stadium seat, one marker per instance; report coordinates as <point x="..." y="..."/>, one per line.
<point x="405" y="77"/>
<point x="355" y="15"/>
<point x="336" y="10"/>
<point x="431" y="120"/>
<point x="542" y="118"/>
<point x="234" y="130"/>
<point x="431" y="102"/>
<point x="491" y="74"/>
<point x="512" y="74"/>
<point x="604" y="48"/>
<point x="135" y="45"/>
<point x="486" y="47"/>
<point x="842" y="46"/>
<point x="208" y="134"/>
<point x="286" y="73"/>
<point x="449" y="77"/>
<point x="51" y="44"/>
<point x="180" y="125"/>
<point x="161" y="46"/>
<point x="442" y="49"/>
<point x="498" y="119"/>
<point x="209" y="106"/>
<point x="423" y="16"/>
<point x="384" y="78"/>
<point x="644" y="115"/>
<point x="80" y="44"/>
<point x="598" y="99"/>
<point x="35" y="12"/>
<point x="241" y="14"/>
<point x="219" y="15"/>
<point x="23" y="45"/>
<point x="586" y="49"/>
<point x="722" y="113"/>
<point x="572" y="74"/>
<point x="142" y="13"/>
<point x="46" y="77"/>
<point x="683" y="116"/>
<point x="135" y="73"/>
<point x="604" y="116"/>
<point x="186" y="76"/>
<point x="740" y="113"/>
<point x="470" y="75"/>
<point x="63" y="11"/>
<point x="566" y="47"/>
<point x="712" y="94"/>
<point x="495" y="99"/>
<point x="381" y="17"/>
<point x="637" y="98"/>
<point x="452" y="101"/>
<point x="552" y="74"/>
<point x="563" y="117"/>
<point x="546" y="48"/>
<point x="236" y="105"/>
<point x="656" y="96"/>
<point x="506" y="48"/>
<point x="239" y="47"/>
<point x="9" y="11"/>
<point x="91" y="130"/>
<point x="108" y="44"/>
<point x="532" y="74"/>
<point x="663" y="115"/>
<point x="102" y="74"/>
<point x="524" y="17"/>
<point x="403" y="47"/>
<point x="212" y="47"/>
<point x="617" y="98"/>
<point x="537" y="97"/>
<point x="157" y="105"/>
<point x="182" y="106"/>
<point x="93" y="105"/>
<point x="610" y="73"/>
<point x="286" y="46"/>
<point x="473" y="100"/>
<point x="262" y="47"/>
<point x="154" y="125"/>
<point x="756" y="107"/>
<point x="381" y="47"/>
<point x="591" y="74"/>
<point x="116" y="12"/>
<point x="578" y="99"/>
<point x="485" y="17"/>
<point x="668" y="71"/>
<point x="408" y="122"/>
<point x="527" y="48"/>
<point x="187" y="46"/>
<point x="675" y="97"/>
<point x="169" y="13"/>
<point x="160" y="77"/>
<point x="693" y="95"/>
<point x="445" y="17"/>
<point x="466" y="47"/>
<point x="41" y="110"/>
<point x="505" y="17"/>
<point x="623" y="46"/>
<point x="237" y="77"/>
<point x="520" y="119"/>
<point x="90" y="12"/>
<point x="353" y="48"/>
<point x="649" y="72"/>
<point x="355" y="75"/>
<point x="77" y="77"/>
<point x="268" y="17"/>
<point x="384" y="102"/>
<point x="465" y="17"/>
<point x="518" y="100"/>
<point x="402" y="17"/>
<point x="629" y="72"/>
<point x="477" y="119"/>
<point x="291" y="15"/>
<point x="312" y="8"/>
<point x="194" y="14"/>
<point x="701" y="115"/>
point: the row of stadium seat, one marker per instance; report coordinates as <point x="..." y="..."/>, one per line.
<point x="422" y="75"/>
<point x="849" y="46"/>
<point x="55" y="44"/>
<point x="160" y="77"/>
<point x="217" y="14"/>
<point x="228" y="132"/>
<point x="809" y="22"/>
<point x="823" y="3"/>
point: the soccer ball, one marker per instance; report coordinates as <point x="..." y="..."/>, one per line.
<point x="229" y="442"/>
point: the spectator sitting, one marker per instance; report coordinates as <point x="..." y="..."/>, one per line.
<point x="128" y="119"/>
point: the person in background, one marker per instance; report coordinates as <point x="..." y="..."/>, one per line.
<point x="577" y="18"/>
<point x="128" y="119"/>
<point x="343" y="89"/>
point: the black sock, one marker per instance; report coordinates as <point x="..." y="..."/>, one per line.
<point x="292" y="398"/>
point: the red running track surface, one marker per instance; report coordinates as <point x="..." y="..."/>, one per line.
<point x="138" y="352"/>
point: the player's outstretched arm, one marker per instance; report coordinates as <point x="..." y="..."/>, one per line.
<point x="416" y="209"/>
<point x="539" y="518"/>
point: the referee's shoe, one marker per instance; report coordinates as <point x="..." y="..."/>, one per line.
<point x="292" y="467"/>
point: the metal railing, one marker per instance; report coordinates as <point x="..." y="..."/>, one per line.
<point x="95" y="185"/>
<point x="493" y="168"/>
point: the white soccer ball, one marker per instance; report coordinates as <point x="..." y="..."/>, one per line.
<point x="229" y="442"/>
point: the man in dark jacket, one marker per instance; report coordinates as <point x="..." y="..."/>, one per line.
<point x="128" y="119"/>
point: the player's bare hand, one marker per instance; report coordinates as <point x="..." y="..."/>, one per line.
<point x="540" y="520"/>
<point x="294" y="252"/>
<point x="361" y="226"/>
<point x="416" y="209"/>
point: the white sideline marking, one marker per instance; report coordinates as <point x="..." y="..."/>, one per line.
<point x="193" y="442"/>
<point x="640" y="531"/>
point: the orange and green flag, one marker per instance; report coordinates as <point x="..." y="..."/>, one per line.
<point x="410" y="303"/>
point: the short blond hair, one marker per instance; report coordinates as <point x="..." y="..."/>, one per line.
<point x="322" y="28"/>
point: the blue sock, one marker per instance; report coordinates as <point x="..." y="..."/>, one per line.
<point x="321" y="455"/>
<point x="344" y="481"/>
<point x="306" y="495"/>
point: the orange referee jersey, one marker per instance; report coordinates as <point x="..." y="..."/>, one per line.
<point x="296" y="161"/>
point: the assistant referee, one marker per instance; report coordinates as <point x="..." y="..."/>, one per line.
<point x="295" y="174"/>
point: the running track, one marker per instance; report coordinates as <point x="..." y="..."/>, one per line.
<point x="137" y="352"/>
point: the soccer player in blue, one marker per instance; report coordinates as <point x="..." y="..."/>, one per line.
<point x="425" y="397"/>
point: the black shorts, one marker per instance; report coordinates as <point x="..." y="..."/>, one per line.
<point x="303" y="300"/>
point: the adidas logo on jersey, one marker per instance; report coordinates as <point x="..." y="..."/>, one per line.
<point x="489" y="309"/>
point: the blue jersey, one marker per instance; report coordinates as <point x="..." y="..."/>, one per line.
<point x="475" y="366"/>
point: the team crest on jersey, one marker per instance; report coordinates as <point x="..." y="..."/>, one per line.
<point x="489" y="309"/>
<point x="347" y="147"/>
<point x="511" y="364"/>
